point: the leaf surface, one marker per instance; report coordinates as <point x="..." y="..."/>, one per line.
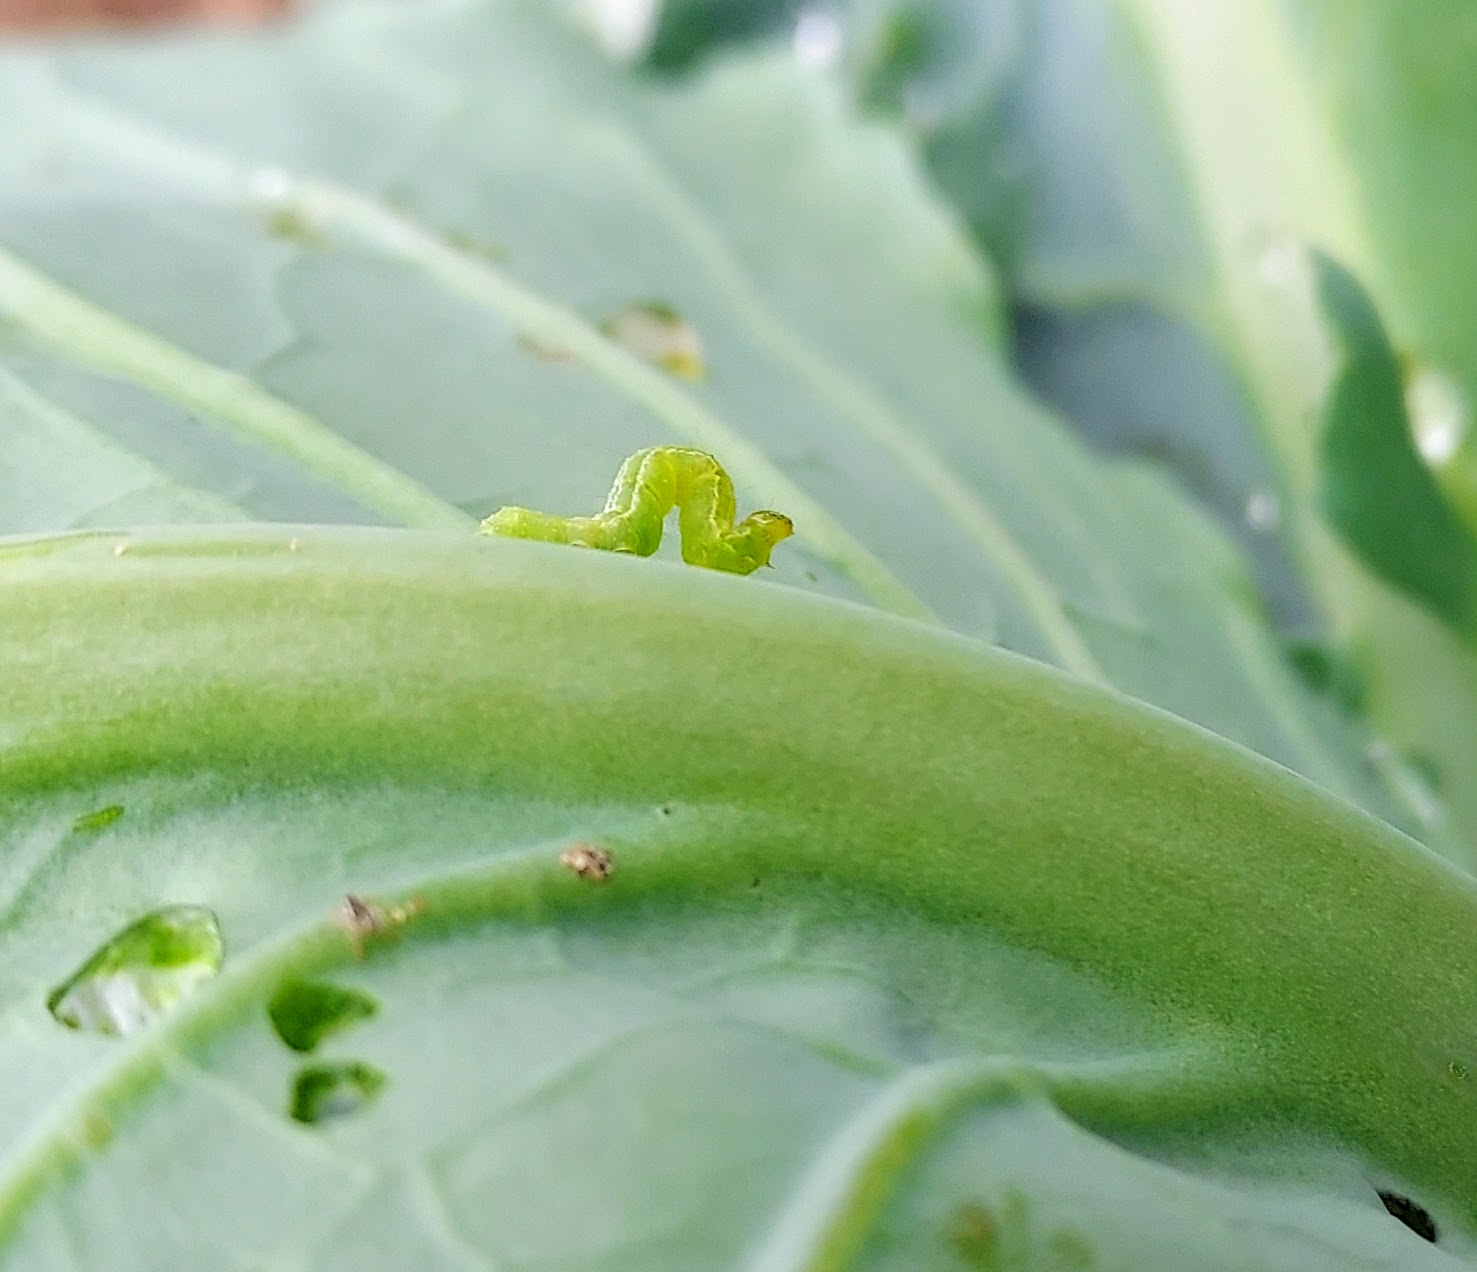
<point x="1020" y="924"/>
<point x="349" y="289"/>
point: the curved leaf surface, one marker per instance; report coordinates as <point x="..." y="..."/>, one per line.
<point x="911" y="953"/>
<point x="356" y="270"/>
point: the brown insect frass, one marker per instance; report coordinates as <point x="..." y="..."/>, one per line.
<point x="588" y="861"/>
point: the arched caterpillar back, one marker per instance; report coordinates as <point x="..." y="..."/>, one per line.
<point x="649" y="485"/>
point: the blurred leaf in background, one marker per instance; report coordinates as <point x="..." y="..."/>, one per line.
<point x="1150" y="179"/>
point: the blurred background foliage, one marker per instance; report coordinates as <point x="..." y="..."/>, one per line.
<point x="1235" y="240"/>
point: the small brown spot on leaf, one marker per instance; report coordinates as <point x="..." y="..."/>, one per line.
<point x="588" y="861"/>
<point x="367" y="920"/>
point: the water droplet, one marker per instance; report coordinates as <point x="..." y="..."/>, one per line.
<point x="1439" y="418"/>
<point x="1282" y="261"/>
<point x="269" y="185"/>
<point x="1263" y="511"/>
<point x="141" y="973"/>
<point x="304" y="1013"/>
<point x="324" y="1091"/>
<point x="96" y="821"/>
<point x="1414" y="781"/>
<point x="657" y="333"/>
<point x="623" y="28"/>
<point x="817" y="39"/>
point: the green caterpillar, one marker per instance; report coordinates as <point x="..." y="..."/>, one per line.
<point x="649" y="485"/>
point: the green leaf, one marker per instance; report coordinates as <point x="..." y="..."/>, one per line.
<point x="1036" y="970"/>
<point x="1275" y="165"/>
<point x="1401" y="106"/>
<point x="847" y="333"/>
<point x="711" y="924"/>
<point x="1376" y="490"/>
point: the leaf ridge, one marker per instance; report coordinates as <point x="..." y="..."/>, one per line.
<point x="91" y="335"/>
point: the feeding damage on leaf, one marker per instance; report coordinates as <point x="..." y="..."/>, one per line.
<point x="304" y="1013"/>
<point x="649" y="485"/>
<point x="322" y="1092"/>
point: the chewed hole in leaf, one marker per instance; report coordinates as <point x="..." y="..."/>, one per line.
<point x="304" y="1013"/>
<point x="322" y="1092"/>
<point x="1416" y="1218"/>
<point x="657" y="333"/>
<point x="97" y="820"/>
<point x="141" y="973"/>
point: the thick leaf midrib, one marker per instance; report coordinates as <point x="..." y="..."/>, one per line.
<point x="1215" y="885"/>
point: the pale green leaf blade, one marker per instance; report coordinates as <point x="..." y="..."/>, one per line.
<point x="871" y="1037"/>
<point x="315" y="235"/>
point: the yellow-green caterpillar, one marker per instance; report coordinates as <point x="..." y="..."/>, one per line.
<point x="649" y="485"/>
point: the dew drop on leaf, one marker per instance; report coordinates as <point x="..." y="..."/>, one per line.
<point x="321" y="1092"/>
<point x="141" y="973"/>
<point x="1413" y="780"/>
<point x="622" y="28"/>
<point x="1263" y="511"/>
<point x="817" y="39"/>
<point x="269" y="185"/>
<point x="1282" y="261"/>
<point x="304" y="1013"/>
<point x="657" y="333"/>
<point x="1439" y="419"/>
